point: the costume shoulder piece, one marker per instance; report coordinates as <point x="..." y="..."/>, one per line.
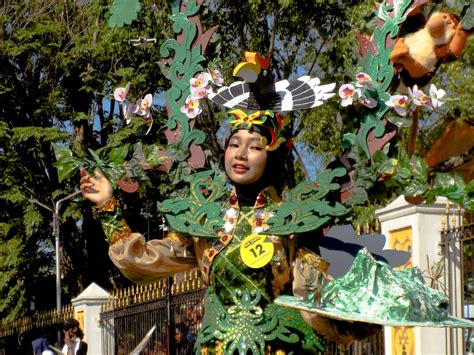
<point x="199" y="213"/>
<point x="307" y="208"/>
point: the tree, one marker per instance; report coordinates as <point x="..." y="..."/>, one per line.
<point x="59" y="61"/>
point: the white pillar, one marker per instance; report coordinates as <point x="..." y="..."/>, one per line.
<point x="87" y="311"/>
<point x="416" y="228"/>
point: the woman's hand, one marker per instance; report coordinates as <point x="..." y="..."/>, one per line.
<point x="96" y="189"/>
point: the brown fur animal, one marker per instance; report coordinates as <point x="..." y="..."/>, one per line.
<point x="419" y="54"/>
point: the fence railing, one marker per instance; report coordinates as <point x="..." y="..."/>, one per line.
<point x="174" y="305"/>
<point x="39" y="320"/>
<point x="16" y="336"/>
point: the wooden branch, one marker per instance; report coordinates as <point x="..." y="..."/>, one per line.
<point x="411" y="147"/>
<point x="272" y="38"/>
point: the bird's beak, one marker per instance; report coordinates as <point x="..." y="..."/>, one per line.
<point x="251" y="68"/>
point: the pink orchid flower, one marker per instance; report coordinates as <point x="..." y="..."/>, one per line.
<point x="191" y="107"/>
<point x="419" y="97"/>
<point x="348" y="93"/>
<point x="200" y="85"/>
<point x="199" y="93"/>
<point x="399" y="104"/>
<point x="128" y="110"/>
<point x="144" y="105"/>
<point x="216" y="76"/>
<point x="364" y="79"/>
<point x="120" y="94"/>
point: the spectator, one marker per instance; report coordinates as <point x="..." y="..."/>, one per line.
<point x="73" y="344"/>
<point x="41" y="347"/>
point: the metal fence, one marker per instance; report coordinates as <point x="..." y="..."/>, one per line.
<point x="174" y="305"/>
<point x="16" y="336"/>
<point x="457" y="248"/>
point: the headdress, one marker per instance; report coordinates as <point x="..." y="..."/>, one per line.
<point x="257" y="102"/>
<point x="266" y="122"/>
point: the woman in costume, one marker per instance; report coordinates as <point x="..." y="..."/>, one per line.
<point x="244" y="271"/>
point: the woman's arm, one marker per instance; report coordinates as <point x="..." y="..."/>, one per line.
<point x="147" y="262"/>
<point x="140" y="261"/>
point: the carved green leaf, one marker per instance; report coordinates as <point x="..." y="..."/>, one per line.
<point x="246" y="316"/>
<point x="306" y="208"/>
<point x="200" y="213"/>
<point x="186" y="63"/>
<point x="378" y="66"/>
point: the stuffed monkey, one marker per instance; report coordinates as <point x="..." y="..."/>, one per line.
<point x="420" y="53"/>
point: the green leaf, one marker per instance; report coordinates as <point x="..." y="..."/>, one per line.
<point x="31" y="219"/>
<point x="358" y="196"/>
<point x="118" y="154"/>
<point x="469" y="187"/>
<point x="67" y="169"/>
<point x="403" y="173"/>
<point x="420" y="168"/>
<point x="348" y="140"/>
<point x="455" y="196"/>
<point x="430" y="196"/>
<point x="152" y="157"/>
<point x="443" y="181"/>
<point x="123" y="12"/>
<point x="399" y="121"/>
<point x="379" y="157"/>
<point x="4" y="130"/>
<point x="469" y="205"/>
<point x="416" y="189"/>
<point x="98" y="161"/>
<point x="61" y="152"/>
<point x="13" y="195"/>
<point x="458" y="180"/>
<point x="65" y="164"/>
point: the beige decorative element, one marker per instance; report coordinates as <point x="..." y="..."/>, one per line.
<point x="425" y="222"/>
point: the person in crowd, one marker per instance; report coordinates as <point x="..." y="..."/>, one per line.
<point x="73" y="335"/>
<point x="41" y="347"/>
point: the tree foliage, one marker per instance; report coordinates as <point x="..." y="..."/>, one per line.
<point x="59" y="64"/>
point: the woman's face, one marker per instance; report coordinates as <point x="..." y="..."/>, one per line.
<point x="245" y="157"/>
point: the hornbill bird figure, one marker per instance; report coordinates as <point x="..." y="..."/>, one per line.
<point x="258" y="90"/>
